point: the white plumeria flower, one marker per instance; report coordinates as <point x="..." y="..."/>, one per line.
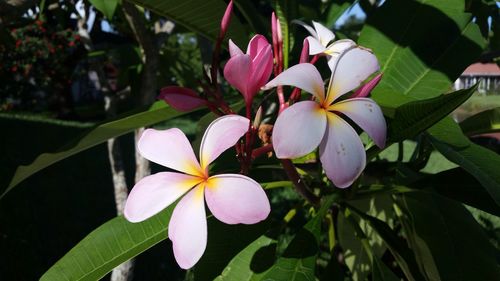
<point x="305" y="125"/>
<point x="320" y="42"/>
<point x="232" y="198"/>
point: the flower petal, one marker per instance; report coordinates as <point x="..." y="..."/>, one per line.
<point x="302" y="75"/>
<point x="365" y="90"/>
<point x="309" y="28"/>
<point x="180" y="98"/>
<point x="256" y="45"/>
<point x="236" y="72"/>
<point x="188" y="228"/>
<point x="325" y="35"/>
<point x="367" y="114"/>
<point x="336" y="49"/>
<point x="315" y="46"/>
<point x="234" y="49"/>
<point x="299" y="129"/>
<point x="220" y="135"/>
<point x="341" y="152"/>
<point x="260" y="70"/>
<point x="169" y="148"/>
<point x="154" y="193"/>
<point x="236" y="198"/>
<point x="353" y="67"/>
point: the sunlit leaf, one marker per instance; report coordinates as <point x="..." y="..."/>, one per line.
<point x="482" y="123"/>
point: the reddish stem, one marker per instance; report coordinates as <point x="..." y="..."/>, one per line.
<point x="299" y="185"/>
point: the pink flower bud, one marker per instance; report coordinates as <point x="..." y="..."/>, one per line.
<point x="226" y="19"/>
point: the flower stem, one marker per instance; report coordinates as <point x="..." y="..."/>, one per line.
<point x="299" y="185"/>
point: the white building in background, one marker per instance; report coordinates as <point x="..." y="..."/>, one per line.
<point x="487" y="73"/>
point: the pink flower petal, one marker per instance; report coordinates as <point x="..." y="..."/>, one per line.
<point x="315" y="46"/>
<point x="341" y="152"/>
<point x="367" y="114"/>
<point x="169" y="148"/>
<point x="325" y="35"/>
<point x="220" y="135"/>
<point x="336" y="49"/>
<point x="260" y="70"/>
<point x="156" y="192"/>
<point x="256" y="45"/>
<point x="353" y="67"/>
<point x="236" y="199"/>
<point x="236" y="72"/>
<point x="188" y="228"/>
<point x="299" y="129"/>
<point x="365" y="90"/>
<point x="226" y="19"/>
<point x="233" y="49"/>
<point x="182" y="99"/>
<point x="302" y="75"/>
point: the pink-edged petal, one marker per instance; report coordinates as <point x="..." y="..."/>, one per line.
<point x="260" y="70"/>
<point x="154" y="193"/>
<point x="366" y="114"/>
<point x="220" y="135"/>
<point x="299" y="129"/>
<point x="353" y="67"/>
<point x="187" y="228"/>
<point x="325" y="35"/>
<point x="365" y="90"/>
<point x="336" y="49"/>
<point x="309" y="28"/>
<point x="304" y="76"/>
<point x="341" y="152"/>
<point x="236" y="199"/>
<point x="182" y="99"/>
<point x="236" y="72"/>
<point x="234" y="49"/>
<point x="256" y="45"/>
<point x="169" y="148"/>
<point x="315" y="46"/>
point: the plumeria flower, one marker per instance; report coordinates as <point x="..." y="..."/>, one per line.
<point x="303" y="126"/>
<point x="320" y="42"/>
<point x="249" y="72"/>
<point x="232" y="198"/>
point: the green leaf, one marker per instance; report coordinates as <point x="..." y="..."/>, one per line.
<point x="478" y="161"/>
<point x="460" y="186"/>
<point x="106" y="7"/>
<point x="159" y="111"/>
<point x="299" y="259"/>
<point x="448" y="243"/>
<point x="252" y="262"/>
<point x="224" y="242"/>
<point x="380" y="272"/>
<point x="414" y="117"/>
<point x="286" y="11"/>
<point x="200" y="16"/>
<point x="276" y="184"/>
<point x="336" y="9"/>
<point x="111" y="244"/>
<point x="398" y="248"/>
<point x="448" y="131"/>
<point x="422" y="45"/>
<point x="482" y="123"/>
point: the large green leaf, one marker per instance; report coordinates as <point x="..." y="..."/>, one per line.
<point x="422" y="45"/>
<point x="158" y="112"/>
<point x="252" y="262"/>
<point x="298" y="262"/>
<point x="106" y="7"/>
<point x="480" y="162"/>
<point x="200" y="16"/>
<point x="414" y="117"/>
<point x="447" y="241"/>
<point x="108" y="246"/>
<point x="482" y="123"/>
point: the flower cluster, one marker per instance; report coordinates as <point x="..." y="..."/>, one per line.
<point x="323" y="121"/>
